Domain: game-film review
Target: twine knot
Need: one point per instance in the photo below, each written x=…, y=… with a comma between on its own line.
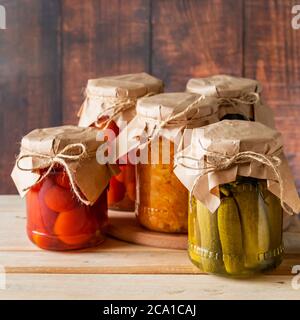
x=250, y=98
x=215, y=161
x=72, y=152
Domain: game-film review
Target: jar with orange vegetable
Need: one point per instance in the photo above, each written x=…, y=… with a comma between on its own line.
x=162, y=200
x=66, y=205
x=109, y=105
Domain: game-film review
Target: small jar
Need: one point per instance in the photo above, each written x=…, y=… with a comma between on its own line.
x=65, y=187
x=110, y=104
x=244, y=235
x=56, y=220
x=239, y=98
x=162, y=200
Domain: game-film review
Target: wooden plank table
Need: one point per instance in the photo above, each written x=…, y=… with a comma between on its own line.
x=119, y=270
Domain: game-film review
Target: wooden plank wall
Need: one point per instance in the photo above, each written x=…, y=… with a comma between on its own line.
x=51, y=48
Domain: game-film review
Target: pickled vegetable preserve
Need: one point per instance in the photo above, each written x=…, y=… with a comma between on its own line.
x=110, y=103
x=56, y=220
x=65, y=187
x=162, y=200
x=243, y=236
x=239, y=183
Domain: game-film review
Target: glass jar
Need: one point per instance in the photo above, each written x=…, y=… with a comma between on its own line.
x=162, y=200
x=121, y=193
x=56, y=220
x=243, y=236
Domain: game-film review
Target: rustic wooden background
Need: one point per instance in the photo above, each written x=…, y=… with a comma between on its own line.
x=51, y=48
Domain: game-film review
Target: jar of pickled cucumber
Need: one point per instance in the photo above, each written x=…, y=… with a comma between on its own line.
x=162, y=200
x=65, y=187
x=239, y=183
x=243, y=236
x=110, y=104
x=239, y=98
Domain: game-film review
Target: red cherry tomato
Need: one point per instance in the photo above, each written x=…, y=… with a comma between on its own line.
x=116, y=191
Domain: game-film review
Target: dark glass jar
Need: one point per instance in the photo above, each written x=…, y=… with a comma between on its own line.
x=244, y=236
x=56, y=220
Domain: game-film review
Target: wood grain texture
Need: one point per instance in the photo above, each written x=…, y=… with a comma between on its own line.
x=29, y=76
x=272, y=55
x=195, y=38
x=101, y=38
x=146, y=287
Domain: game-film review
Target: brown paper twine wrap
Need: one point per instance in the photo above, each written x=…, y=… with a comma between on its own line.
x=222, y=151
x=70, y=147
x=236, y=96
x=165, y=115
x=116, y=97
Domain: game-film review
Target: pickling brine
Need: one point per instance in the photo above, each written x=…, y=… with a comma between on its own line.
x=57, y=220
x=243, y=236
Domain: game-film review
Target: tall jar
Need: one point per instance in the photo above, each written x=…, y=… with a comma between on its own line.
x=243, y=236
x=239, y=98
x=110, y=104
x=162, y=200
x=65, y=188
x=239, y=183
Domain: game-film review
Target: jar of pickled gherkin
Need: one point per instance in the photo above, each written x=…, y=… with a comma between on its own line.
x=162, y=200
x=110, y=103
x=239, y=98
x=65, y=187
x=239, y=183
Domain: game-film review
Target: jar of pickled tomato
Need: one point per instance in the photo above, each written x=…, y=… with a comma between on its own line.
x=110, y=104
x=56, y=220
x=162, y=200
x=67, y=205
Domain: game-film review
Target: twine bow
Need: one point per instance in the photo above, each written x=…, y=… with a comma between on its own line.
x=117, y=106
x=247, y=98
x=72, y=152
x=181, y=119
x=217, y=162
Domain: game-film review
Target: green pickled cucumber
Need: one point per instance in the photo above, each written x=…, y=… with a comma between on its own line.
x=210, y=242
x=246, y=197
x=263, y=226
x=275, y=219
x=193, y=230
x=231, y=237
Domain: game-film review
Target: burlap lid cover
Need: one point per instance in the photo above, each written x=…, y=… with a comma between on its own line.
x=75, y=146
x=220, y=152
x=165, y=115
x=116, y=96
x=235, y=95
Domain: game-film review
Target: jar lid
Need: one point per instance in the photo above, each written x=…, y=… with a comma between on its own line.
x=71, y=147
x=128, y=85
x=162, y=106
x=223, y=86
x=222, y=151
x=232, y=136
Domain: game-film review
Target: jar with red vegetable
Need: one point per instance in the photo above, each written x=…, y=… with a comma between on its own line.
x=58, y=172
x=109, y=105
